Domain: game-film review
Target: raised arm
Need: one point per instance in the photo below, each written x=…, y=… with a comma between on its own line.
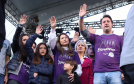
x=52, y=36
x=75, y=39
x=82, y=13
x=85, y=33
x=15, y=44
x=31, y=40
x=91, y=30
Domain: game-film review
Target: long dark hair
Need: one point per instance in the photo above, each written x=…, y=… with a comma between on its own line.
x=70, y=51
x=37, y=56
x=23, y=56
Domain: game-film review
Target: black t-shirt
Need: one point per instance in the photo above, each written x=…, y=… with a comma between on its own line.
x=63, y=79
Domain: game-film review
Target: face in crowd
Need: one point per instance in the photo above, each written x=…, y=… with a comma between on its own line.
x=42, y=50
x=64, y=40
x=24, y=40
x=68, y=67
x=81, y=47
x=106, y=24
x=91, y=51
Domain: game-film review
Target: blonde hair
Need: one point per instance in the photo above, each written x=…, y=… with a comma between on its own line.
x=86, y=47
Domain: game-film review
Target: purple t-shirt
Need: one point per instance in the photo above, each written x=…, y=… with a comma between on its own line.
x=23, y=75
x=59, y=60
x=107, y=52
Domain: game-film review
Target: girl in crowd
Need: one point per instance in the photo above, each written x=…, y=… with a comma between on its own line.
x=87, y=71
x=62, y=51
x=19, y=65
x=42, y=64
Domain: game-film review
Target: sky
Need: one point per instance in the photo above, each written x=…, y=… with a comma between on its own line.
x=116, y=14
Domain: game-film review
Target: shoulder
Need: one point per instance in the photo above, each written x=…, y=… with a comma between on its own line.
x=94, y=35
x=119, y=37
x=75, y=52
x=63, y=74
x=6, y=42
x=75, y=74
x=88, y=60
x=6, y=45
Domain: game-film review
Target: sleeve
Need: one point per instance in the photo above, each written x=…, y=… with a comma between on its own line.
x=8, y=52
x=4, y=2
x=58, y=80
x=79, y=68
x=28, y=46
x=52, y=39
x=73, y=44
x=50, y=50
x=88, y=36
x=32, y=71
x=76, y=79
x=46, y=70
x=121, y=43
x=15, y=44
x=91, y=74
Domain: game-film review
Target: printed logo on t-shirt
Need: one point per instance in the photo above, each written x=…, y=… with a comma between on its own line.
x=111, y=54
x=107, y=47
x=4, y=45
x=62, y=59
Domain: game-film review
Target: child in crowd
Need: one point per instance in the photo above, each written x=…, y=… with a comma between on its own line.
x=70, y=66
x=42, y=64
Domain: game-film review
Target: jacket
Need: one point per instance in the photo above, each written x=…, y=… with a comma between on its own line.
x=14, y=64
x=87, y=72
x=43, y=69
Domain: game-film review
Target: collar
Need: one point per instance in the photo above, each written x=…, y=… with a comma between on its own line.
x=65, y=48
x=85, y=57
x=108, y=34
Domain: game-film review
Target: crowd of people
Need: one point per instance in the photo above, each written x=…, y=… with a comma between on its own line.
x=70, y=61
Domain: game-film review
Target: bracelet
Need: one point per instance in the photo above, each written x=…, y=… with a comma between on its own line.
x=81, y=17
x=20, y=25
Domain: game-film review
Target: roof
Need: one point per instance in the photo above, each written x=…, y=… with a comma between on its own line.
x=61, y=9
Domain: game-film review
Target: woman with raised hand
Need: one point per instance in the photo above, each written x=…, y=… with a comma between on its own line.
x=42, y=64
x=19, y=65
x=87, y=71
x=62, y=51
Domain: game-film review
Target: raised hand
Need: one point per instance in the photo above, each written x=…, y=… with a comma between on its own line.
x=39, y=29
x=91, y=30
x=83, y=11
x=76, y=37
x=53, y=22
x=23, y=19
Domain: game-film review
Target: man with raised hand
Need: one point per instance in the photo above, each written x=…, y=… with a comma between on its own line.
x=107, y=50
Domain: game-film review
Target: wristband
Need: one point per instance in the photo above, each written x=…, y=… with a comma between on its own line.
x=20, y=25
x=81, y=17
